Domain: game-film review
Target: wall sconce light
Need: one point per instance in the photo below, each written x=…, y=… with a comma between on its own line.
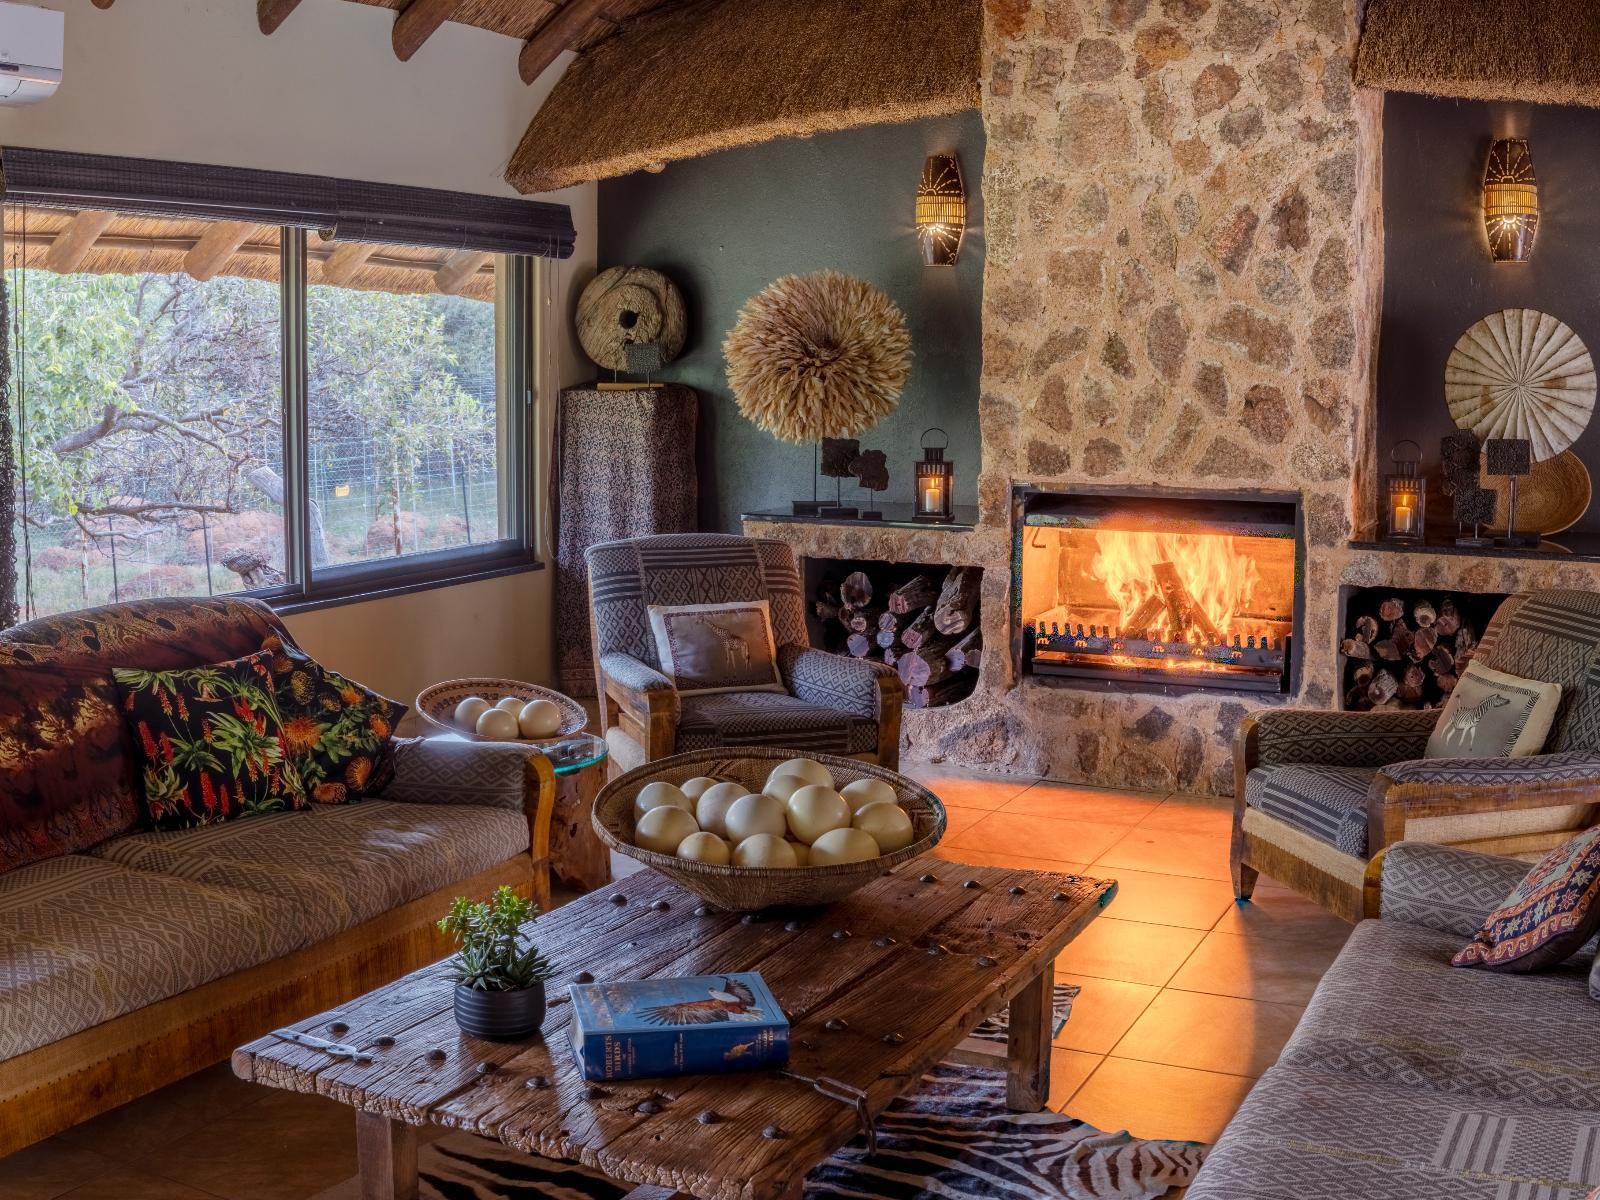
x=936, y=480
x=1510, y=201
x=1407, y=494
x=941, y=210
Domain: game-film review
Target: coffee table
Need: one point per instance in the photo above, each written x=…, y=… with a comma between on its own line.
x=878, y=988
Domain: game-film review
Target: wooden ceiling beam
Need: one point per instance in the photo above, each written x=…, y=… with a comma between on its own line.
x=346, y=259
x=418, y=22
x=72, y=244
x=216, y=246
x=459, y=268
x=272, y=13
x=561, y=32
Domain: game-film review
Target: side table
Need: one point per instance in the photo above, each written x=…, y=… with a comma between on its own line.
x=577, y=857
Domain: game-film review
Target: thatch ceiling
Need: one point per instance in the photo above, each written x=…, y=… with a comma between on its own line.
x=1540, y=51
x=705, y=75
x=117, y=244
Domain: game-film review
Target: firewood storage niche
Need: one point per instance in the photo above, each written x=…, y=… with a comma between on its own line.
x=1176, y=590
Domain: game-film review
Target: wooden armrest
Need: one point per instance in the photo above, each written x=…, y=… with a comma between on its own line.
x=648, y=717
x=1396, y=802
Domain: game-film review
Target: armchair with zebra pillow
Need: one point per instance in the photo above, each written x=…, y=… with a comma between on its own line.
x=1510, y=764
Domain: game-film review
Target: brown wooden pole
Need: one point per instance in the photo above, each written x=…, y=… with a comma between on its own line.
x=561, y=32
x=272, y=13
x=73, y=244
x=219, y=243
x=418, y=22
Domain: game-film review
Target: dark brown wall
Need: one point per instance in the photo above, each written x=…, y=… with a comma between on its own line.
x=1438, y=279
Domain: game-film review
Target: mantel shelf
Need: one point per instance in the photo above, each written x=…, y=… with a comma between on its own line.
x=1563, y=547
x=895, y=516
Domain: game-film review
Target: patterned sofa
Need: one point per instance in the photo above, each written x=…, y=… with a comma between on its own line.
x=130, y=958
x=1409, y=1078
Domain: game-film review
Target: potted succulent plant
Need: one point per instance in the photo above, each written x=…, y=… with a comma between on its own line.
x=499, y=981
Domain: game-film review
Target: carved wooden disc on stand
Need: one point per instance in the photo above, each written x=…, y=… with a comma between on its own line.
x=1521, y=373
x=630, y=304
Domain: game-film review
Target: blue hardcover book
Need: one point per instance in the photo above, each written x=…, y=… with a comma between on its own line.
x=702, y=1023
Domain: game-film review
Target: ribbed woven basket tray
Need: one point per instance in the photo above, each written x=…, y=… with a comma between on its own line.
x=437, y=705
x=744, y=889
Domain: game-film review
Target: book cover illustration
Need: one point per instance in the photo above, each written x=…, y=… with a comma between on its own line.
x=702, y=1023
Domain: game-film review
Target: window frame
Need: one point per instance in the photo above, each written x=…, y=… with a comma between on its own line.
x=517, y=282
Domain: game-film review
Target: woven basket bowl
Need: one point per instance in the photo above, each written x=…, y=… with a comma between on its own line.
x=744, y=889
x=437, y=704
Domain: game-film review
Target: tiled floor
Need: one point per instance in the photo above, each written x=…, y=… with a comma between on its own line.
x=1186, y=998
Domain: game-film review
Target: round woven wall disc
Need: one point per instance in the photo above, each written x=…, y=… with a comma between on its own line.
x=630, y=304
x=1521, y=373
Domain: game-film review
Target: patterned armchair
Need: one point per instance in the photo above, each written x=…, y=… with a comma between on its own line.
x=832, y=704
x=1318, y=795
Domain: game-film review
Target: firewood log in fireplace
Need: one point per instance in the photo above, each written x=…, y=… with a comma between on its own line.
x=958, y=600
x=1405, y=654
x=927, y=664
x=856, y=590
x=1183, y=612
x=914, y=595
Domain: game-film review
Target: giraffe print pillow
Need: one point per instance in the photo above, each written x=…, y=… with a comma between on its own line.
x=1494, y=715
x=716, y=647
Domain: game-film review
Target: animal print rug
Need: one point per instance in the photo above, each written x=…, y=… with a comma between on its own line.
x=950, y=1139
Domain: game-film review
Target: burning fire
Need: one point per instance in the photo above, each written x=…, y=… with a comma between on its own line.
x=1219, y=577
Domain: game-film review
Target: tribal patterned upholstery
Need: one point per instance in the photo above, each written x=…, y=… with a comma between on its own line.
x=625, y=578
x=818, y=677
x=1342, y=739
x=337, y=865
x=771, y=719
x=445, y=771
x=1554, y=637
x=633, y=674
x=1445, y=889
x=1407, y=1078
x=1329, y=803
x=83, y=940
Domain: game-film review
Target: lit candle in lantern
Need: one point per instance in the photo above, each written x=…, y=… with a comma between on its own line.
x=935, y=476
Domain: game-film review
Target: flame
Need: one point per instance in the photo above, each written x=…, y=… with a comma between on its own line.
x=1219, y=574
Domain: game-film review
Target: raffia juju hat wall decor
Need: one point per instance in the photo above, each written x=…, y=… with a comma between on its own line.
x=819, y=355
x=1520, y=373
x=626, y=305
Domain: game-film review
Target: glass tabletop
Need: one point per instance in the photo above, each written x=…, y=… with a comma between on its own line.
x=575, y=752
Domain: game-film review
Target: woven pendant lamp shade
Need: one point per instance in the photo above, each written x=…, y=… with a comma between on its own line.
x=941, y=210
x=1510, y=201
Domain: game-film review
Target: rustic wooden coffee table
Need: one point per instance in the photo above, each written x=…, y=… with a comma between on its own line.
x=877, y=987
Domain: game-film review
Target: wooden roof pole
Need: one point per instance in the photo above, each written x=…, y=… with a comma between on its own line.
x=216, y=246
x=346, y=259
x=72, y=244
x=560, y=32
x=272, y=13
x=418, y=22
x=102, y=3
x=457, y=269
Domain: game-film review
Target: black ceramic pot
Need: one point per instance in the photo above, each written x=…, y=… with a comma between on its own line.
x=500, y=1014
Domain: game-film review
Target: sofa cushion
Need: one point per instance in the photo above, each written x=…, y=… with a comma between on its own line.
x=771, y=719
x=1491, y=714
x=339, y=865
x=1391, y=1010
x=1554, y=910
x=1325, y=1135
x=1329, y=803
x=83, y=940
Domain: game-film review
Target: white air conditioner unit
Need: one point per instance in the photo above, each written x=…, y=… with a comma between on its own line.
x=32, y=49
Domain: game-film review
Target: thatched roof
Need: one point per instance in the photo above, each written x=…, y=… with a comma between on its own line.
x=523, y=18
x=118, y=244
x=1541, y=51
x=706, y=75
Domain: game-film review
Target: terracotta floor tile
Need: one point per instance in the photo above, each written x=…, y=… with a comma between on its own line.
x=990, y=858
x=1102, y=1012
x=1128, y=950
x=1193, y=814
x=970, y=791
x=1226, y=964
x=1165, y=899
x=1210, y=1033
x=1278, y=913
x=127, y=1134
x=125, y=1183
x=1068, y=1070
x=1170, y=852
x=1066, y=801
x=1154, y=1101
x=49, y=1169
x=959, y=820
x=1039, y=837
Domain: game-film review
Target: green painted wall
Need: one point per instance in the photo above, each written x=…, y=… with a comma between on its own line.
x=725, y=226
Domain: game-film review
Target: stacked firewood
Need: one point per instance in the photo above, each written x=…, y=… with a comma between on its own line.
x=927, y=630
x=1406, y=659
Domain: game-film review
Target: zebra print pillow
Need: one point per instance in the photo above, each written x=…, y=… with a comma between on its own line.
x=1494, y=715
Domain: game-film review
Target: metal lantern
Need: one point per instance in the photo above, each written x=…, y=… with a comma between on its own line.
x=1407, y=494
x=936, y=480
x=941, y=210
x=1510, y=201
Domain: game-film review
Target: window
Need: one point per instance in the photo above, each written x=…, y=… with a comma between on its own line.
x=205, y=408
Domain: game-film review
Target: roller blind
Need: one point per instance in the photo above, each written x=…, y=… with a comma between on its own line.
x=340, y=208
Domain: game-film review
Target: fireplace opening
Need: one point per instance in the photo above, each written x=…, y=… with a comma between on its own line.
x=1172, y=589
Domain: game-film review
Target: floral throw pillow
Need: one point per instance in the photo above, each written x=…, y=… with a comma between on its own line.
x=337, y=733
x=1548, y=916
x=210, y=741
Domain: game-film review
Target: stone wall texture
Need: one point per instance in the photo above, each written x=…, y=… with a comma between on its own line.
x=1182, y=288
